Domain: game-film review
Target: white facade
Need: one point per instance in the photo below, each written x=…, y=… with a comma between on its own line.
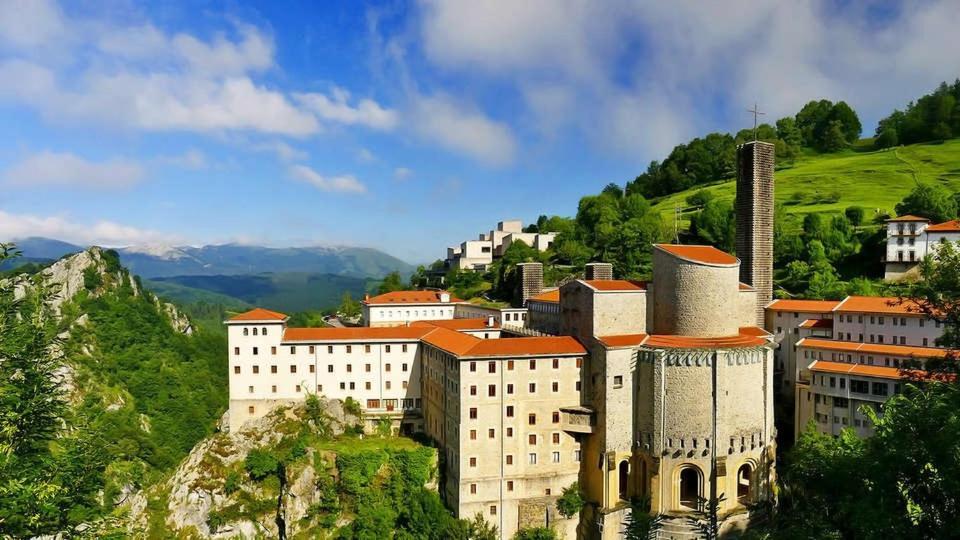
x=401, y=308
x=502, y=316
x=480, y=253
x=910, y=239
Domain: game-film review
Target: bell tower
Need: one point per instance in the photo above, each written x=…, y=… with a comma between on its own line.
x=754, y=209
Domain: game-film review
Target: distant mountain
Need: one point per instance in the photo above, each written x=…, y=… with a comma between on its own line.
x=232, y=259
x=282, y=291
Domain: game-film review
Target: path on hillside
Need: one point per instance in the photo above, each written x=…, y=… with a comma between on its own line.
x=913, y=170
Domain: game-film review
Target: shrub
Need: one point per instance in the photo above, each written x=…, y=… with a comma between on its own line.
x=855, y=215
x=700, y=198
x=352, y=407
x=571, y=501
x=232, y=483
x=535, y=533
x=260, y=464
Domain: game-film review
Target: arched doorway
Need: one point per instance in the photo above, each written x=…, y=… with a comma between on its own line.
x=744, y=483
x=624, y=478
x=690, y=487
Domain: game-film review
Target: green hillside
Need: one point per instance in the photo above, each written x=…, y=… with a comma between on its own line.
x=876, y=180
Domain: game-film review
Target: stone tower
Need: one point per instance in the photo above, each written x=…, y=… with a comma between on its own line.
x=754, y=211
x=531, y=280
x=598, y=270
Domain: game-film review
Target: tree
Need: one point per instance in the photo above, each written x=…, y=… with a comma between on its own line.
x=789, y=133
x=349, y=308
x=834, y=138
x=570, y=502
x=700, y=198
x=887, y=138
x=535, y=533
x=930, y=201
x=391, y=282
x=639, y=523
x=855, y=215
x=848, y=120
x=715, y=225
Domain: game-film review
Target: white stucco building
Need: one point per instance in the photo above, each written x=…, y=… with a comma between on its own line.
x=910, y=239
x=480, y=253
x=400, y=308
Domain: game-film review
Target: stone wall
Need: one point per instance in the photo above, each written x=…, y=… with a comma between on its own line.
x=694, y=299
x=754, y=211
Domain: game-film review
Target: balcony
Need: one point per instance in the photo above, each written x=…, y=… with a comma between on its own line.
x=577, y=419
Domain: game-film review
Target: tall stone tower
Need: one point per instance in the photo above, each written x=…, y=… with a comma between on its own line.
x=754, y=210
x=531, y=280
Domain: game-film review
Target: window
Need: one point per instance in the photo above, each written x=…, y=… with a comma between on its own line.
x=343, y=386
x=246, y=331
x=293, y=369
x=491, y=433
x=349, y=349
x=509, y=485
x=556, y=363
x=236, y=370
x=509, y=365
x=473, y=462
x=492, y=390
x=532, y=388
x=353, y=386
x=618, y=381
x=556, y=438
x=256, y=369
x=386, y=367
x=532, y=458
x=250, y=409
x=473, y=367
x=311, y=349
x=509, y=411
x=509, y=432
x=329, y=349
x=403, y=384
x=250, y=389
x=386, y=348
x=473, y=390
x=349, y=368
x=555, y=386
x=556, y=417
x=255, y=351
x=273, y=389
x=473, y=434
x=493, y=510
x=404, y=347
x=533, y=365
x=491, y=367
x=532, y=439
x=403, y=367
x=273, y=351
x=293, y=350
x=473, y=489
x=236, y=350
x=509, y=388
x=330, y=368
x=273, y=369
x=532, y=419
x=297, y=389
x=366, y=367
x=473, y=413
x=880, y=389
x=366, y=385
x=555, y=457
x=859, y=387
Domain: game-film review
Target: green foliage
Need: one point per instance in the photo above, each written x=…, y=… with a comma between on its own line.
x=937, y=294
x=260, y=464
x=307, y=319
x=715, y=225
x=700, y=198
x=391, y=282
x=639, y=523
x=349, y=308
x=930, y=201
x=384, y=427
x=535, y=533
x=828, y=127
x=92, y=280
x=352, y=407
x=933, y=117
x=231, y=483
x=570, y=502
x=855, y=215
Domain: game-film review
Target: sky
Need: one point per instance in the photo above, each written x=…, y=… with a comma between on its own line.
x=405, y=126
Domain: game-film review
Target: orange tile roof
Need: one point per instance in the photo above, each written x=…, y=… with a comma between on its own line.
x=878, y=304
x=459, y=324
x=745, y=287
x=908, y=217
x=528, y=346
x=259, y=314
x=548, y=296
x=873, y=348
x=947, y=226
x=451, y=341
x=616, y=284
x=811, y=306
x=700, y=254
x=817, y=323
x=622, y=340
x=362, y=333
x=882, y=372
x=409, y=297
x=753, y=331
x=748, y=336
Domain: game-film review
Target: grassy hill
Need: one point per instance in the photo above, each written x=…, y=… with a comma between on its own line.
x=874, y=179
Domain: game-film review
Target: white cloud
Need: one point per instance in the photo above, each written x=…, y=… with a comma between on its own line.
x=336, y=108
x=402, y=173
x=192, y=159
x=282, y=150
x=71, y=171
x=342, y=183
x=465, y=130
x=366, y=156
x=105, y=233
x=30, y=23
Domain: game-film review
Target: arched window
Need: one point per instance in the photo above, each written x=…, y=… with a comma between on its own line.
x=254, y=331
x=744, y=483
x=263, y=331
x=624, y=478
x=246, y=331
x=691, y=488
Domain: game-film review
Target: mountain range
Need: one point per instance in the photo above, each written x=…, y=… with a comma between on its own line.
x=155, y=261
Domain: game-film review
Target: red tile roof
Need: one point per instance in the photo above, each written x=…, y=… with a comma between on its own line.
x=699, y=254
x=908, y=218
x=409, y=297
x=616, y=285
x=878, y=304
x=451, y=341
x=745, y=287
x=622, y=340
x=467, y=346
x=459, y=324
x=259, y=314
x=817, y=323
x=809, y=306
x=947, y=226
x=905, y=351
x=749, y=336
x=882, y=372
x=362, y=333
x=548, y=296
x=753, y=331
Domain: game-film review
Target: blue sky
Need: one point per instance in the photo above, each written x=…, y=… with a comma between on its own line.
x=406, y=126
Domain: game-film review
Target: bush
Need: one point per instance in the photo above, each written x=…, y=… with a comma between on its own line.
x=260, y=464
x=571, y=502
x=855, y=215
x=352, y=407
x=700, y=198
x=535, y=533
x=232, y=483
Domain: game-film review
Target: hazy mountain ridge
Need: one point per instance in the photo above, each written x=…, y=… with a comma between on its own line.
x=151, y=261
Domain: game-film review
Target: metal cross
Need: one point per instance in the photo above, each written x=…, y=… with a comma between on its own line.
x=756, y=112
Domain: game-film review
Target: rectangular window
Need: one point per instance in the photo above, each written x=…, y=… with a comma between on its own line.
x=255, y=351
x=403, y=367
x=386, y=367
x=509, y=388
x=618, y=381
x=293, y=350
x=556, y=363
x=509, y=411
x=273, y=351
x=491, y=367
x=509, y=485
x=493, y=510
x=293, y=369
x=555, y=386
x=473, y=434
x=250, y=389
x=556, y=438
x=509, y=365
x=403, y=347
x=556, y=417
x=880, y=388
x=532, y=388
x=236, y=350
x=250, y=409
x=349, y=368
x=353, y=386
x=236, y=370
x=273, y=369
x=330, y=368
x=556, y=457
x=509, y=432
x=297, y=389
x=273, y=389
x=533, y=365
x=491, y=433
x=349, y=349
x=532, y=439
x=492, y=390
x=473, y=462
x=256, y=369
x=473, y=390
x=532, y=458
x=473, y=489
x=532, y=419
x=473, y=367
x=473, y=413
x=312, y=349
x=329, y=349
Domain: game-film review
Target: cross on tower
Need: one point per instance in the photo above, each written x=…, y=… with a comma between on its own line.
x=756, y=112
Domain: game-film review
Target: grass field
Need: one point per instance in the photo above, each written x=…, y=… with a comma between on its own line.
x=875, y=180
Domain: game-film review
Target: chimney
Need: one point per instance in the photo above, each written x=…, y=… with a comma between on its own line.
x=444, y=297
x=366, y=297
x=598, y=270
x=754, y=209
x=531, y=280
x=490, y=321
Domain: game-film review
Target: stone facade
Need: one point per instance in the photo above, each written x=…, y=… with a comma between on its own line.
x=598, y=270
x=531, y=280
x=754, y=210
